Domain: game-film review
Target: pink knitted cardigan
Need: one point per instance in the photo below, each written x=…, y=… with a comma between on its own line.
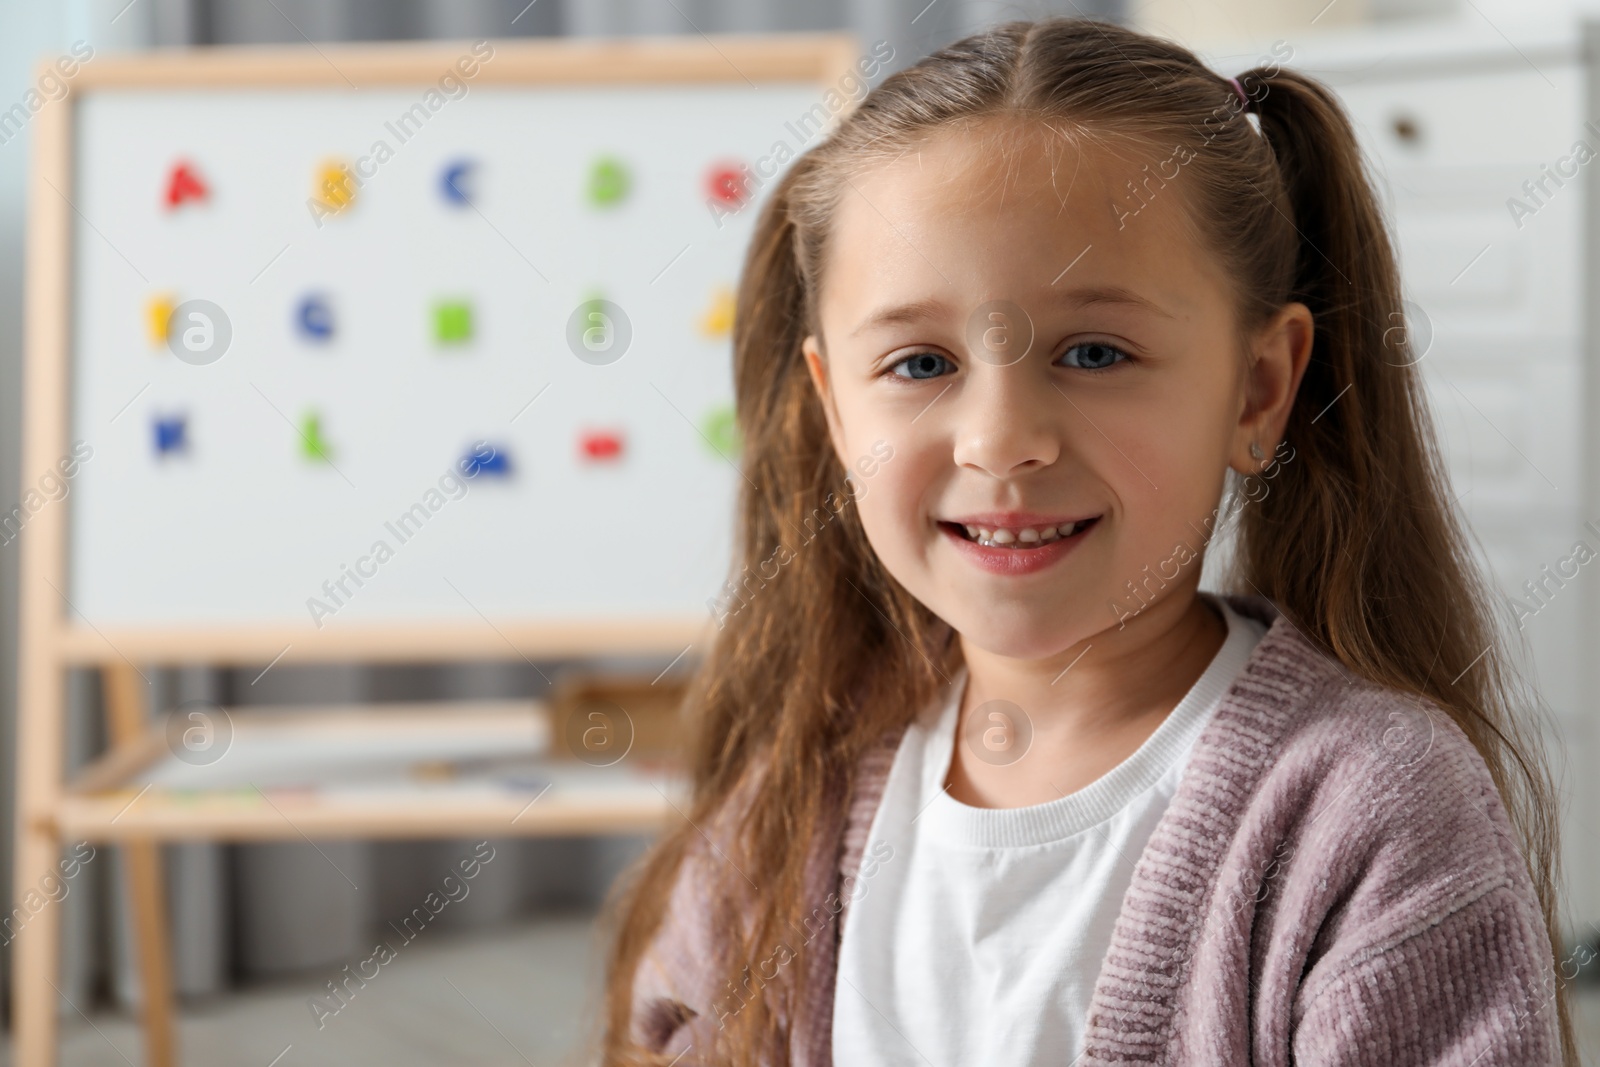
x=1334, y=882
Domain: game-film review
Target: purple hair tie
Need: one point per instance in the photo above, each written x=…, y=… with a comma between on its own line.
x=1244, y=99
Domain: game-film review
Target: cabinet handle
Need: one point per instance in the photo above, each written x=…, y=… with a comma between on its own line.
x=1406, y=129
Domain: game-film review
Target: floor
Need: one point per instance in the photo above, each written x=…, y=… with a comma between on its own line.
x=1586, y=1018
x=505, y=998
x=510, y=997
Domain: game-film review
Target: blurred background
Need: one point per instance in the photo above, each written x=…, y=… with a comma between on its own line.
x=1466, y=108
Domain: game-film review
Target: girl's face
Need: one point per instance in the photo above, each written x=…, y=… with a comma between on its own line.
x=1057, y=366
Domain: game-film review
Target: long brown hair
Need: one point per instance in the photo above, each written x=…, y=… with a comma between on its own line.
x=820, y=651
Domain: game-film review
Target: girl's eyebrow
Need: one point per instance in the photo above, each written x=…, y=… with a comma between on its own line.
x=901, y=314
x=919, y=310
x=1115, y=295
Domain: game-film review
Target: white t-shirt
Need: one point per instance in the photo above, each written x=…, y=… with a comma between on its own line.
x=978, y=938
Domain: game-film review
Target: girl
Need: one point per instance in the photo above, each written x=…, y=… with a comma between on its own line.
x=980, y=776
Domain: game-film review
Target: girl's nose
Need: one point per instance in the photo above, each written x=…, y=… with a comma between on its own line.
x=1004, y=427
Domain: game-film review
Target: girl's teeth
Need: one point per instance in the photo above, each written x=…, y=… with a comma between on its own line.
x=1028, y=535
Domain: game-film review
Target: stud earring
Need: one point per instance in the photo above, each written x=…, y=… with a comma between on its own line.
x=1255, y=451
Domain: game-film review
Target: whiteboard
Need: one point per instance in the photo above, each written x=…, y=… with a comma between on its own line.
x=238, y=525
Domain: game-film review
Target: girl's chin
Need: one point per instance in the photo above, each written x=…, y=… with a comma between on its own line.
x=1014, y=639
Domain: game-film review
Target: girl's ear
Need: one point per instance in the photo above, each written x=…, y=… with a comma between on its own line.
x=818, y=366
x=1280, y=352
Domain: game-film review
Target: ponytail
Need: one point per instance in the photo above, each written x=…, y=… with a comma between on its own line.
x=1365, y=551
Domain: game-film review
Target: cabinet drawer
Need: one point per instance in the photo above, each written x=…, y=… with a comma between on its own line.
x=1507, y=411
x=1509, y=115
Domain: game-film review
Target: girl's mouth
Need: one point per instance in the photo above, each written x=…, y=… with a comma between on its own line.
x=1020, y=538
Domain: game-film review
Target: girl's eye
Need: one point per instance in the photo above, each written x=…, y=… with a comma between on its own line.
x=1093, y=355
x=922, y=365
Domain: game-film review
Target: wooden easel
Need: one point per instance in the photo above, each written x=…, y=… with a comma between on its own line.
x=98, y=808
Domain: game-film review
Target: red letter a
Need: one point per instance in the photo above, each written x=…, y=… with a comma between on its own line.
x=184, y=185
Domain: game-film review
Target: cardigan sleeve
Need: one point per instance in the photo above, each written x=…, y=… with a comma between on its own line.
x=670, y=987
x=1435, y=952
x=1474, y=990
x=677, y=1005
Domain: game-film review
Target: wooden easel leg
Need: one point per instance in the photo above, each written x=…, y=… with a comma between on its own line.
x=126, y=719
x=35, y=954
x=148, y=907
